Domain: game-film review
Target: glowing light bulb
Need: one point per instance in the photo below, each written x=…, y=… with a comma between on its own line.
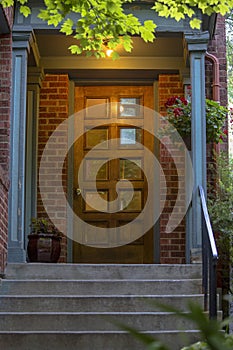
x=109, y=52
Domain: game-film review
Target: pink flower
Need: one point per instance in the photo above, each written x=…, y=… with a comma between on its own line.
x=174, y=100
x=225, y=132
x=177, y=111
x=171, y=101
x=184, y=101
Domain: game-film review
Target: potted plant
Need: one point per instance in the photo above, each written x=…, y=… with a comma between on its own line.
x=44, y=241
x=179, y=116
x=220, y=206
x=220, y=198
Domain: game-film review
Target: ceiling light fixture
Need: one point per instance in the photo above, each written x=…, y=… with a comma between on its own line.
x=109, y=51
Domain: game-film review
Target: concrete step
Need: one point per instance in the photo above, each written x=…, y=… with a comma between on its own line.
x=101, y=271
x=92, y=321
x=117, y=340
x=98, y=303
x=101, y=287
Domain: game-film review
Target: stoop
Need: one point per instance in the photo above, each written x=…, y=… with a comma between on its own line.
x=76, y=306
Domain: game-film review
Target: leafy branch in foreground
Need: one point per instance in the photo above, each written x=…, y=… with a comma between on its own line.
x=212, y=336
x=93, y=21
x=147, y=339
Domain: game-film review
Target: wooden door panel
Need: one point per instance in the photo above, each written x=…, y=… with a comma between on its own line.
x=120, y=115
x=128, y=254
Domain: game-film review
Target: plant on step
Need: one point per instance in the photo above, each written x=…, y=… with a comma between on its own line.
x=44, y=241
x=43, y=225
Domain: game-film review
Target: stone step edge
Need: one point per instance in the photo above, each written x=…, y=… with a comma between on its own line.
x=97, y=265
x=98, y=296
x=91, y=313
x=101, y=280
x=99, y=313
x=176, y=331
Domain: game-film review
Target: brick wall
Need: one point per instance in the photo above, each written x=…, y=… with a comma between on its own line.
x=4, y=186
x=217, y=47
x=53, y=110
x=5, y=98
x=9, y=13
x=172, y=245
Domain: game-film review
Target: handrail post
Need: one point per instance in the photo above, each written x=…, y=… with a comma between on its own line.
x=213, y=288
x=204, y=267
x=209, y=261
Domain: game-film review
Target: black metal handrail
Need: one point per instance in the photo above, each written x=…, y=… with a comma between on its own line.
x=209, y=260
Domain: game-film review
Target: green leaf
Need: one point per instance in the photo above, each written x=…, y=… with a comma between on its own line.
x=127, y=43
x=88, y=53
x=147, y=339
x=43, y=15
x=25, y=10
x=22, y=2
x=150, y=25
x=7, y=3
x=163, y=10
x=195, y=23
x=112, y=6
x=67, y=27
x=146, y=35
x=223, y=9
x=189, y=12
x=115, y=55
x=75, y=49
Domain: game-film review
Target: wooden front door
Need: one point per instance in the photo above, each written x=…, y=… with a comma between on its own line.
x=111, y=114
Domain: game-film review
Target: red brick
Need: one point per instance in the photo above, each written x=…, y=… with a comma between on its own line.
x=4, y=186
x=51, y=77
x=53, y=110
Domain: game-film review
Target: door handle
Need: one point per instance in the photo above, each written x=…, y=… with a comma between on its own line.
x=77, y=191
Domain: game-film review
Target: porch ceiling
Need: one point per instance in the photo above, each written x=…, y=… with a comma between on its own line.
x=145, y=62
x=58, y=44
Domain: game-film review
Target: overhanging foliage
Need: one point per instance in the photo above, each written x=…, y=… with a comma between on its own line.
x=104, y=21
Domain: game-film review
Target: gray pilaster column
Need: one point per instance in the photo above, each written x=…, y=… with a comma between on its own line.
x=197, y=46
x=16, y=243
x=34, y=81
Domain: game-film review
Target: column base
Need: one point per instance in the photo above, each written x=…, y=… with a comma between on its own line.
x=196, y=256
x=16, y=255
